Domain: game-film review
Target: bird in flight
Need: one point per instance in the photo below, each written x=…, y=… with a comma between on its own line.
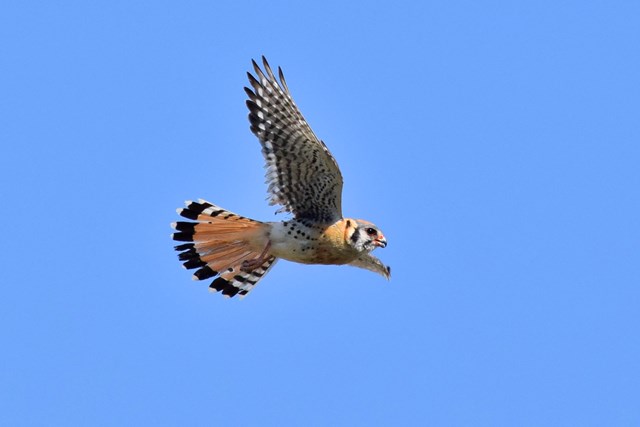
x=304, y=178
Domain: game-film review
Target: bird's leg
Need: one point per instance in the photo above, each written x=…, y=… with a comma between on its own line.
x=251, y=264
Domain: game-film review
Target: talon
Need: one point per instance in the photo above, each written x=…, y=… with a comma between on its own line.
x=248, y=266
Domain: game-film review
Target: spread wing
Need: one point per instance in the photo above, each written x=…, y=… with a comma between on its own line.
x=371, y=263
x=302, y=174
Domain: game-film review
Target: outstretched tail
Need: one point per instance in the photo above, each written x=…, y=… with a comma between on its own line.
x=221, y=243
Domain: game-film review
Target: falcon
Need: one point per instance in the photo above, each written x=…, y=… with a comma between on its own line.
x=304, y=179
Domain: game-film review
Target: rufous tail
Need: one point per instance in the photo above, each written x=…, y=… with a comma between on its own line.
x=223, y=244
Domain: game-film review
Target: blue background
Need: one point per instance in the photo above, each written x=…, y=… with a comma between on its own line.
x=497, y=145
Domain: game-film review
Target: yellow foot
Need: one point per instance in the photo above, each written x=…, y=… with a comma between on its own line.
x=249, y=265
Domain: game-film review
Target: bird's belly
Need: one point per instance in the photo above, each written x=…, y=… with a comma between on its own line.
x=306, y=247
x=310, y=252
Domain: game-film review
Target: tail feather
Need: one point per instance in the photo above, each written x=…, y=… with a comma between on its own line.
x=241, y=282
x=218, y=244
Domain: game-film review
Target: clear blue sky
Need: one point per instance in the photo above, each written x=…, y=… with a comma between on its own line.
x=497, y=145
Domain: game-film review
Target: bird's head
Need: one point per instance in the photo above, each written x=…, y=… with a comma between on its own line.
x=364, y=236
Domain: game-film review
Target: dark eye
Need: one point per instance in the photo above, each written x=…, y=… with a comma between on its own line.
x=371, y=231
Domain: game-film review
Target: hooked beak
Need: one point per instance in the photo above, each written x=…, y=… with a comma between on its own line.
x=380, y=241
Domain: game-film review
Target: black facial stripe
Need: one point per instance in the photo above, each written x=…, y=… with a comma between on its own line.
x=355, y=236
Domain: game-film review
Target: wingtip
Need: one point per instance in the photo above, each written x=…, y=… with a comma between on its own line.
x=265, y=63
x=256, y=67
x=282, y=80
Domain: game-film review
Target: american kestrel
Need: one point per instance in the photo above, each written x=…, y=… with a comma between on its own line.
x=303, y=178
